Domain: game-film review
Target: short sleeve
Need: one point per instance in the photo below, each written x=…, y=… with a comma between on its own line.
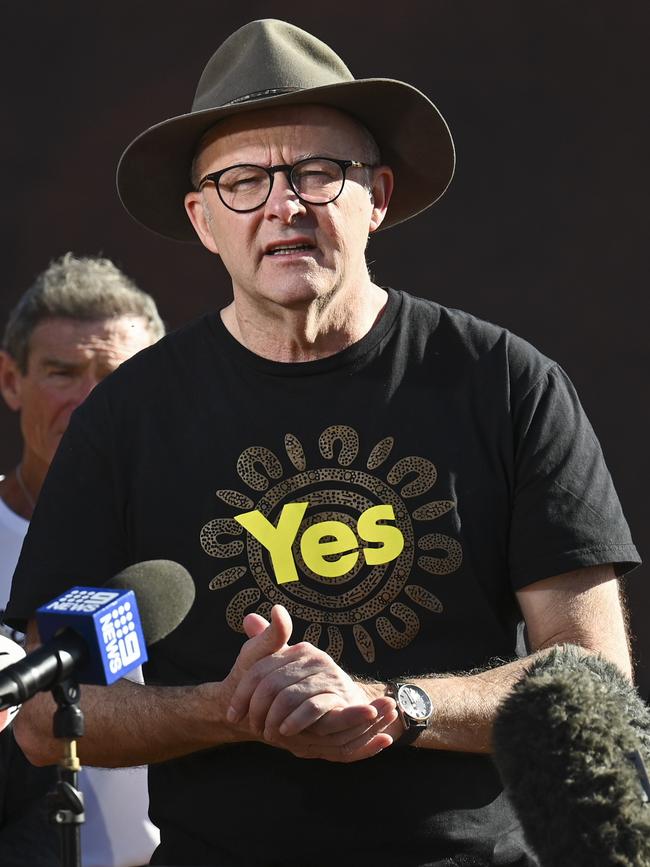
x=566, y=513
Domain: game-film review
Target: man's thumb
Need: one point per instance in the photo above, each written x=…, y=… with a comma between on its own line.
x=268, y=637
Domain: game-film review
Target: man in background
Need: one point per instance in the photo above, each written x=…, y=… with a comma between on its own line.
x=79, y=321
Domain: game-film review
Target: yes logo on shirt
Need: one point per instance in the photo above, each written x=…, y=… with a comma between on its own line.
x=328, y=548
x=343, y=540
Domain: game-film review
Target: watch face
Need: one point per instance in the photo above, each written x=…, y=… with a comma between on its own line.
x=414, y=701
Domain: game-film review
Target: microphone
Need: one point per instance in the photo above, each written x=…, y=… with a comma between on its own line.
x=10, y=652
x=572, y=746
x=99, y=633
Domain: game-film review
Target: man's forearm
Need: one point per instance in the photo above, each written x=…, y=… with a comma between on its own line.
x=131, y=724
x=464, y=706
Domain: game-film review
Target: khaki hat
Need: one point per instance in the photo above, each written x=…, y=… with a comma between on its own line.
x=271, y=63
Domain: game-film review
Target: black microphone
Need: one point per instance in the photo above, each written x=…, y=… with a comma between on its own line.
x=98, y=631
x=572, y=746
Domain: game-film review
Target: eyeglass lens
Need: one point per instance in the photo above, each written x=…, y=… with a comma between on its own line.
x=247, y=187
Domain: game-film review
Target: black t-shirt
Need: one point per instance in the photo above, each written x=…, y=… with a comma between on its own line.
x=411, y=484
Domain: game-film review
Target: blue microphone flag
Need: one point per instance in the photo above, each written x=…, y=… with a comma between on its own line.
x=109, y=622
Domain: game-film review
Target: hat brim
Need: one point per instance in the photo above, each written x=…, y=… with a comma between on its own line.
x=153, y=175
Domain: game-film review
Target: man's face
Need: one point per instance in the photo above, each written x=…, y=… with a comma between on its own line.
x=331, y=238
x=66, y=360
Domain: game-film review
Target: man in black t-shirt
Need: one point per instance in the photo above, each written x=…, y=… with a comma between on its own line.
x=386, y=483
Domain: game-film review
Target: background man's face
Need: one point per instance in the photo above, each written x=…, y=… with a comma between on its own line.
x=332, y=237
x=66, y=360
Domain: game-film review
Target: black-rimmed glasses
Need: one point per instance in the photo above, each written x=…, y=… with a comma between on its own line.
x=315, y=180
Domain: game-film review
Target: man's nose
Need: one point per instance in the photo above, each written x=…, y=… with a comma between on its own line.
x=283, y=202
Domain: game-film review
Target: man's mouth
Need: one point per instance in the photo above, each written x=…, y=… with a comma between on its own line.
x=288, y=249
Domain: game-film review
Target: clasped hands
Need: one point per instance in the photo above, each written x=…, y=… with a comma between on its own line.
x=297, y=698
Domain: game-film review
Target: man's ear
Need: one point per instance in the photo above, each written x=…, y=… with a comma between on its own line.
x=10, y=381
x=200, y=218
x=380, y=193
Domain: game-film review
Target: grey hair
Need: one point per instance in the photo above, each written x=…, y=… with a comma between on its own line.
x=85, y=289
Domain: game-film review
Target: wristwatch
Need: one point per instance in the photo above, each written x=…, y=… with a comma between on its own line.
x=414, y=708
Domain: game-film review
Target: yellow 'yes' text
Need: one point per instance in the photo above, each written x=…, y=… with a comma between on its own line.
x=324, y=539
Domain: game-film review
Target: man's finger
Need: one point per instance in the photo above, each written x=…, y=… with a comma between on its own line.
x=346, y=718
x=254, y=624
x=309, y=711
x=273, y=680
x=311, y=715
x=362, y=748
x=275, y=672
x=281, y=692
x=271, y=638
x=362, y=733
x=264, y=641
x=365, y=747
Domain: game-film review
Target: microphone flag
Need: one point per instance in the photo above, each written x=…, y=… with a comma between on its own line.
x=98, y=634
x=109, y=622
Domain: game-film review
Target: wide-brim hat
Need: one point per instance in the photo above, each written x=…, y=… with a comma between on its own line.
x=271, y=63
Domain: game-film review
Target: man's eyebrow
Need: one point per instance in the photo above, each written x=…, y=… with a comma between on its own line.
x=59, y=362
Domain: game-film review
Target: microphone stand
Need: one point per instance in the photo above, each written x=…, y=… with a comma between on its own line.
x=66, y=802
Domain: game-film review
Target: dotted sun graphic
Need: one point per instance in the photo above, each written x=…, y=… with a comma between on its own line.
x=349, y=594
